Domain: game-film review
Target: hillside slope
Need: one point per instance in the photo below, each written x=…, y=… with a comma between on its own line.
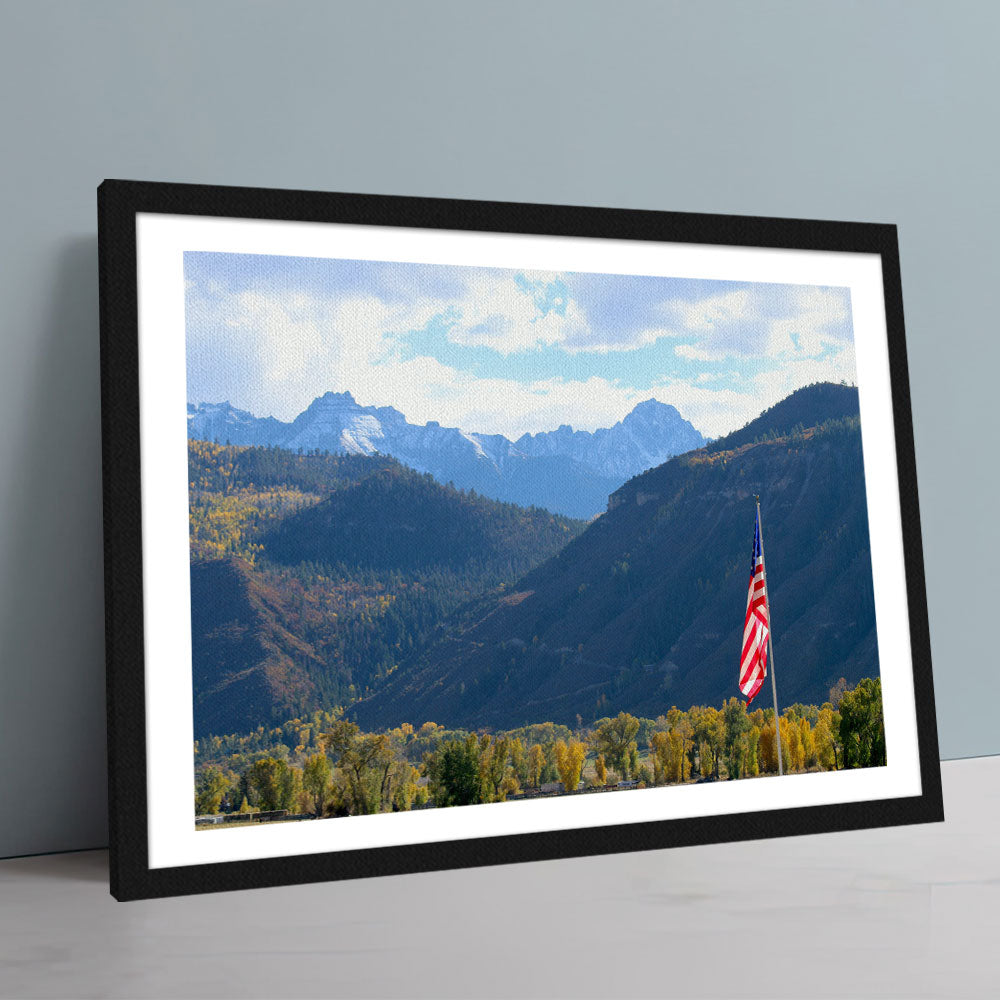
x=313, y=576
x=645, y=609
x=399, y=519
x=247, y=666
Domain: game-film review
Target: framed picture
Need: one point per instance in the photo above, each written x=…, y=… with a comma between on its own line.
x=451, y=533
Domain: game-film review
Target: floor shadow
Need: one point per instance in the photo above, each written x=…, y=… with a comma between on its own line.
x=75, y=866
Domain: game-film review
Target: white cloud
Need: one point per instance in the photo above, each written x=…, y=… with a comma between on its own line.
x=772, y=321
x=714, y=412
x=717, y=411
x=772, y=386
x=591, y=342
x=693, y=353
x=273, y=352
x=502, y=314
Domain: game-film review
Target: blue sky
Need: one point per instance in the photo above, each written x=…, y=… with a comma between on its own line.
x=503, y=351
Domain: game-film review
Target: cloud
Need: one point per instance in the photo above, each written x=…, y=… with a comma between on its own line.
x=774, y=321
x=510, y=313
x=274, y=352
x=692, y=353
x=717, y=411
x=271, y=346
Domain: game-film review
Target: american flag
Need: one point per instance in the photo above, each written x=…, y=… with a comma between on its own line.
x=753, y=662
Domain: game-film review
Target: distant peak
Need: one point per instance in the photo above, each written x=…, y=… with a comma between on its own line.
x=651, y=407
x=204, y=407
x=333, y=400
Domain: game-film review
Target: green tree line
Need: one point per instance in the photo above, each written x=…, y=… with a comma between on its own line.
x=325, y=765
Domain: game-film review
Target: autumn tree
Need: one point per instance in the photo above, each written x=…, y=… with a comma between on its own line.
x=790, y=746
x=493, y=757
x=767, y=753
x=862, y=727
x=519, y=760
x=753, y=752
x=808, y=741
x=682, y=733
x=600, y=770
x=826, y=737
x=316, y=774
x=212, y=786
x=366, y=763
x=706, y=759
x=659, y=750
x=510, y=785
x=793, y=755
x=615, y=740
x=569, y=762
x=405, y=786
x=710, y=731
x=669, y=751
x=269, y=784
x=536, y=765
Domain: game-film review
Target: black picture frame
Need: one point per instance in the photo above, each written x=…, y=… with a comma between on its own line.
x=119, y=202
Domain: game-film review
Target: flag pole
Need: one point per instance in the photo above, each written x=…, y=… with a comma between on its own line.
x=770, y=643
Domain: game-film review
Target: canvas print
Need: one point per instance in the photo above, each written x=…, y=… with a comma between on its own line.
x=465, y=535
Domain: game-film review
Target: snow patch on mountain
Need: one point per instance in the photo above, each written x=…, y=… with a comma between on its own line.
x=565, y=470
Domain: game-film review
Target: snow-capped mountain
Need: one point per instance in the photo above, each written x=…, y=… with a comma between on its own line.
x=224, y=423
x=567, y=471
x=336, y=422
x=652, y=433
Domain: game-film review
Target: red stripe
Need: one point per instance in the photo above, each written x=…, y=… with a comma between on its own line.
x=753, y=640
x=753, y=661
x=756, y=655
x=751, y=675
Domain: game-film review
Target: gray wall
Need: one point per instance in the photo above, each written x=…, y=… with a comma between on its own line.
x=870, y=111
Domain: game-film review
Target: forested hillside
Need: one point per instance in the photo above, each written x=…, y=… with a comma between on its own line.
x=399, y=519
x=645, y=609
x=314, y=575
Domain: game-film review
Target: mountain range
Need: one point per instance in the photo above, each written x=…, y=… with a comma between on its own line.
x=567, y=471
x=322, y=580
x=645, y=608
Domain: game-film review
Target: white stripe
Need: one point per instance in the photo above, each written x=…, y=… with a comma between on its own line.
x=752, y=652
x=759, y=640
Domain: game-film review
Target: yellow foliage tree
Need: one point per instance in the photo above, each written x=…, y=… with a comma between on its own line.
x=536, y=764
x=793, y=753
x=826, y=751
x=706, y=759
x=510, y=786
x=767, y=754
x=659, y=749
x=808, y=741
x=601, y=770
x=569, y=763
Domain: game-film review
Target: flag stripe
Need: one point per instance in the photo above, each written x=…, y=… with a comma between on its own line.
x=756, y=626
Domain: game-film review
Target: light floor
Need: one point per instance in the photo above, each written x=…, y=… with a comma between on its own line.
x=908, y=912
